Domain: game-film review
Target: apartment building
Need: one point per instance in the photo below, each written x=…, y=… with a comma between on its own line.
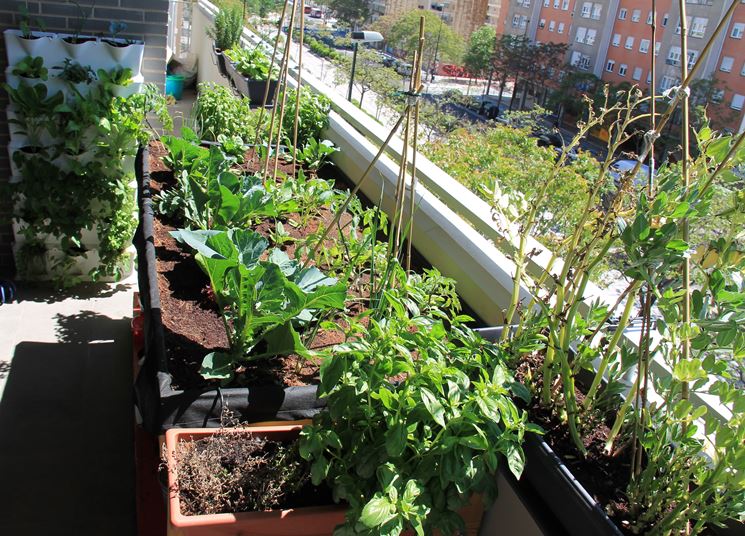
x=613, y=40
x=464, y=16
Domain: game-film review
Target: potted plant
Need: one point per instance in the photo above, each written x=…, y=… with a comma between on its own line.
x=249, y=70
x=244, y=480
x=622, y=414
x=26, y=42
x=419, y=416
x=226, y=33
x=126, y=53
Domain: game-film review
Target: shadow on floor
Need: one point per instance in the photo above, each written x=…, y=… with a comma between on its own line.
x=44, y=293
x=66, y=453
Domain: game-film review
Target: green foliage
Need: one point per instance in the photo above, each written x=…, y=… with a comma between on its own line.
x=401, y=31
x=319, y=48
x=408, y=454
x=75, y=73
x=227, y=29
x=260, y=300
x=217, y=112
x=507, y=160
x=480, y=52
x=250, y=63
x=313, y=116
x=315, y=154
x=31, y=67
x=349, y=11
x=76, y=182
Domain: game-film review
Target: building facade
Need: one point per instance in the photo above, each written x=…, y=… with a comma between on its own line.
x=464, y=16
x=612, y=39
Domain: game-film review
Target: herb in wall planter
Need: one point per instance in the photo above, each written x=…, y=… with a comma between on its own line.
x=31, y=68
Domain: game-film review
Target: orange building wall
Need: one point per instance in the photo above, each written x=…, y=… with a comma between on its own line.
x=722, y=115
x=633, y=58
x=558, y=16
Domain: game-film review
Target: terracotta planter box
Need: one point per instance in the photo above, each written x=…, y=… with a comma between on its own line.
x=306, y=521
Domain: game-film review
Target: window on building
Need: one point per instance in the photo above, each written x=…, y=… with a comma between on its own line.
x=556, y=4
x=560, y=29
x=546, y=3
x=665, y=18
x=523, y=22
x=644, y=46
x=551, y=26
x=586, y=10
x=581, y=33
x=584, y=63
x=516, y=21
x=637, y=74
x=692, y=57
x=629, y=43
x=698, y=26
x=576, y=56
x=649, y=17
x=616, y=40
x=727, y=62
x=636, y=15
x=737, y=101
x=667, y=82
x=657, y=48
x=622, y=14
x=673, y=56
x=738, y=29
x=542, y=23
x=610, y=66
x=590, y=39
x=649, y=77
x=622, y=69
x=742, y=71
x=717, y=96
x=688, y=25
x=564, y=5
x=597, y=11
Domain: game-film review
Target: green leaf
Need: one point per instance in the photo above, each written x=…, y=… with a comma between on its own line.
x=332, y=369
x=515, y=459
x=433, y=406
x=677, y=245
x=377, y=511
x=395, y=440
x=689, y=370
x=217, y=366
x=318, y=470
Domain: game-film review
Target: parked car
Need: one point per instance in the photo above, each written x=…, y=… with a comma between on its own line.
x=620, y=167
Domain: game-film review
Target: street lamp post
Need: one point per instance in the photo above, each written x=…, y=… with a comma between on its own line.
x=357, y=38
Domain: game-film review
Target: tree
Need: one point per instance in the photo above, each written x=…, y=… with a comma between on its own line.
x=369, y=74
x=402, y=33
x=350, y=11
x=480, y=52
x=508, y=53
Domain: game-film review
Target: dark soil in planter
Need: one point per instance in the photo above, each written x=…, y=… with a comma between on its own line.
x=605, y=477
x=78, y=40
x=234, y=472
x=192, y=323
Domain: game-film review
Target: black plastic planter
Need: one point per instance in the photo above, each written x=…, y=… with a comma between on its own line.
x=251, y=89
x=160, y=406
x=556, y=500
x=221, y=62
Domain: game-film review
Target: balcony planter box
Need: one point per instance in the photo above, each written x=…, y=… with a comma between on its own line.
x=554, y=496
x=161, y=407
x=221, y=61
x=42, y=44
x=304, y=521
x=128, y=54
x=251, y=89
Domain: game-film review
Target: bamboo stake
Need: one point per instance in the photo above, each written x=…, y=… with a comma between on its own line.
x=412, y=196
x=268, y=80
x=282, y=85
x=299, y=84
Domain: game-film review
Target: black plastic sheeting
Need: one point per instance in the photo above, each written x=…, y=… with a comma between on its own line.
x=160, y=406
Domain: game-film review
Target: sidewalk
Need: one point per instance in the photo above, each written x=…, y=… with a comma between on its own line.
x=66, y=451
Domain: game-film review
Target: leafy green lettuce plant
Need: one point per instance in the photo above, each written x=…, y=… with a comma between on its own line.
x=252, y=63
x=261, y=301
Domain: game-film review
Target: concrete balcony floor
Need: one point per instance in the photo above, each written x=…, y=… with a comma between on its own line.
x=66, y=420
